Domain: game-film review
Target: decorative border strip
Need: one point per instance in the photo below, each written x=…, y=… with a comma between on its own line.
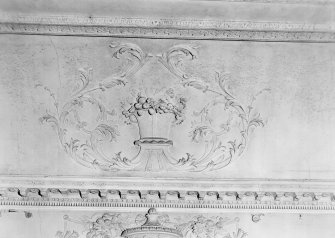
x=233, y=194
x=54, y=197
x=166, y=28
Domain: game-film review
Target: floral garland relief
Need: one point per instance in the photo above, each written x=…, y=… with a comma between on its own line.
x=154, y=115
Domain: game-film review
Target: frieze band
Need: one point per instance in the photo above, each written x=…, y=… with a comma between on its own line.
x=166, y=28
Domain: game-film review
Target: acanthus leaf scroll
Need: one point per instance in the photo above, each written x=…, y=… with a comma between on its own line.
x=83, y=136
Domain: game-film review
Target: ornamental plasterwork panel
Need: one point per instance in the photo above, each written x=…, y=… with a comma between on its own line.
x=155, y=104
x=97, y=95
x=90, y=97
x=168, y=126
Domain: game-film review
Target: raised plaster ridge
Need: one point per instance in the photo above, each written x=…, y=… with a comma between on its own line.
x=167, y=183
x=211, y=29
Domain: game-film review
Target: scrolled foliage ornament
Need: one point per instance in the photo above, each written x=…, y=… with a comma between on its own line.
x=221, y=127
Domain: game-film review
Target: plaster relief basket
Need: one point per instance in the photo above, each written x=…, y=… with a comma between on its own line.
x=151, y=228
x=155, y=128
x=154, y=141
x=154, y=120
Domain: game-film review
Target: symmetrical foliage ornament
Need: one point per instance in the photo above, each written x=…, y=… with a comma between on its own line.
x=221, y=126
x=153, y=225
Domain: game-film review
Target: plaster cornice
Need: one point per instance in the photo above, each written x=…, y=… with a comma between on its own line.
x=122, y=193
x=201, y=29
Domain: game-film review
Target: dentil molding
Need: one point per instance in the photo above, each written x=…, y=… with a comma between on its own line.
x=159, y=28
